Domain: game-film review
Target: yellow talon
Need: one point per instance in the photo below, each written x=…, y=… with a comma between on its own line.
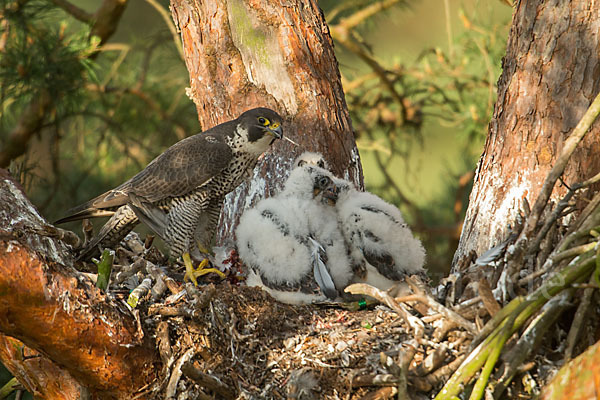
x=204, y=271
x=189, y=269
x=191, y=273
x=201, y=270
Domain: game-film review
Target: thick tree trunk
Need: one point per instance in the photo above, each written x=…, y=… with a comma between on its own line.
x=279, y=54
x=551, y=73
x=82, y=340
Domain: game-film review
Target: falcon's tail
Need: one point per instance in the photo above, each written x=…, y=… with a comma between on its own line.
x=113, y=231
x=101, y=206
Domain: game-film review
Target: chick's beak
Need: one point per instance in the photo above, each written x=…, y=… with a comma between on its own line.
x=331, y=194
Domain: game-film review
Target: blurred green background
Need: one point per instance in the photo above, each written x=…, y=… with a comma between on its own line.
x=419, y=77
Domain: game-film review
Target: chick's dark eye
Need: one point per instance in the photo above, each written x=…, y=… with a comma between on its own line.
x=263, y=121
x=324, y=181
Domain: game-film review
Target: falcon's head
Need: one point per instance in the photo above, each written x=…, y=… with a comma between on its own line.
x=310, y=182
x=259, y=127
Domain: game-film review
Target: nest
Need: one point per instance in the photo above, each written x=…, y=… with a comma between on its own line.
x=223, y=339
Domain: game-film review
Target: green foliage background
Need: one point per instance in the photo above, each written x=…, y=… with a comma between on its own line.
x=116, y=110
x=113, y=113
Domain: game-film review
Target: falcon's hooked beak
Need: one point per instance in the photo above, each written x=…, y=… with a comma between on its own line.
x=275, y=130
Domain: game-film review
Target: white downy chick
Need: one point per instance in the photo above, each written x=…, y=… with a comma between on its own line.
x=378, y=236
x=291, y=249
x=381, y=246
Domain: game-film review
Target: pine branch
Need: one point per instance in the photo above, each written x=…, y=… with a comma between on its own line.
x=74, y=11
x=31, y=121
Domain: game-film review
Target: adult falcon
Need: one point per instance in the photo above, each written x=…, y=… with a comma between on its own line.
x=179, y=195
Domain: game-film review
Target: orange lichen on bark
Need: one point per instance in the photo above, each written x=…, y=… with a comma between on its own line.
x=58, y=312
x=577, y=380
x=41, y=377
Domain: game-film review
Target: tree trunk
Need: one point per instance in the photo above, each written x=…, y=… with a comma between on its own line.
x=80, y=339
x=279, y=54
x=551, y=73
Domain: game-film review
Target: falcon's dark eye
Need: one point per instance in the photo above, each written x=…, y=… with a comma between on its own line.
x=263, y=121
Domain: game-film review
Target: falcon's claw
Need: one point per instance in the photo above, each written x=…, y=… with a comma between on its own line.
x=192, y=274
x=189, y=269
x=203, y=271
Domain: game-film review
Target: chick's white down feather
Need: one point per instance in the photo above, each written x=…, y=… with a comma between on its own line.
x=261, y=243
x=372, y=226
x=280, y=239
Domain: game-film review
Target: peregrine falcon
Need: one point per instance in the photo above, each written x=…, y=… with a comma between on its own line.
x=180, y=193
x=381, y=246
x=291, y=242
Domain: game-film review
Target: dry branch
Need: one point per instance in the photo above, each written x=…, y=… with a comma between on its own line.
x=57, y=311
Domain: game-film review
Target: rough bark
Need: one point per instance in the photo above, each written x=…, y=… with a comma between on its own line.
x=551, y=73
x=93, y=341
x=279, y=54
x=577, y=380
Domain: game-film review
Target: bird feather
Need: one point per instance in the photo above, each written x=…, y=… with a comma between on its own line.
x=320, y=271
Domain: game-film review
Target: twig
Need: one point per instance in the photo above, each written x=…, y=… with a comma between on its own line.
x=432, y=361
x=104, y=269
x=496, y=320
x=487, y=297
x=164, y=344
x=9, y=387
x=426, y=299
x=384, y=393
x=531, y=339
x=133, y=269
x=139, y=292
x=449, y=28
x=362, y=288
x=158, y=274
x=591, y=181
x=578, y=320
x=208, y=381
x=169, y=22
x=375, y=380
x=534, y=245
x=176, y=373
x=426, y=383
x=446, y=312
x=496, y=348
x=588, y=219
x=358, y=17
x=74, y=11
x=573, y=252
x=398, y=371
x=488, y=350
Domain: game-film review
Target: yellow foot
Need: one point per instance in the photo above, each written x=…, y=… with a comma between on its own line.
x=191, y=274
x=201, y=270
x=189, y=269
